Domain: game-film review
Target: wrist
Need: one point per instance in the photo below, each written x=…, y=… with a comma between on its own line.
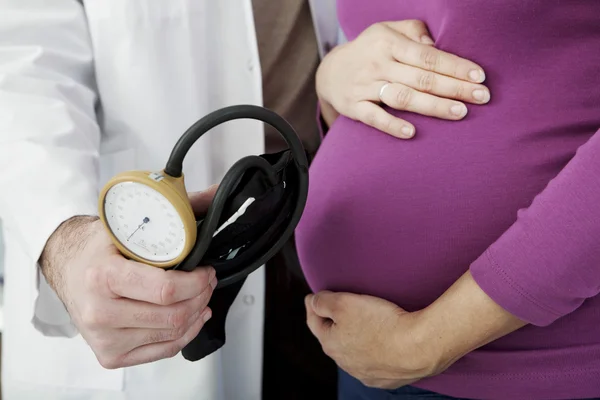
x=422, y=342
x=61, y=246
x=428, y=340
x=461, y=320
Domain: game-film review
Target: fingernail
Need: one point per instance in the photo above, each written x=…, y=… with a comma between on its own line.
x=458, y=110
x=408, y=131
x=312, y=301
x=213, y=283
x=477, y=75
x=480, y=95
x=426, y=40
x=207, y=315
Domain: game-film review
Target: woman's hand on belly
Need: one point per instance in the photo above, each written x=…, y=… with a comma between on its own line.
x=370, y=338
x=396, y=64
x=386, y=347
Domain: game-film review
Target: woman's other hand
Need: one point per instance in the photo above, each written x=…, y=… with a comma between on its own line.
x=396, y=64
x=371, y=339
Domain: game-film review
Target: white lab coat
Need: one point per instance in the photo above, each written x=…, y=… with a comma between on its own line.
x=90, y=88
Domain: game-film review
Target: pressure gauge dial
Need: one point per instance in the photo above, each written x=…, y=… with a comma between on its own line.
x=148, y=217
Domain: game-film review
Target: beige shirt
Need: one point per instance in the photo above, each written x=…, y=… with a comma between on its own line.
x=289, y=58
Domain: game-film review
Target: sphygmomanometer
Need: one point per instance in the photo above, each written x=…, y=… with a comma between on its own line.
x=253, y=214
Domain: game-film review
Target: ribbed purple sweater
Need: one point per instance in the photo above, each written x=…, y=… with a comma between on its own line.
x=511, y=192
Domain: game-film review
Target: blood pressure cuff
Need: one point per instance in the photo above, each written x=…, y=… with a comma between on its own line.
x=242, y=246
x=261, y=225
x=212, y=336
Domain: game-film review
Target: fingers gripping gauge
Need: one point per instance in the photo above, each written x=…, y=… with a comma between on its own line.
x=253, y=214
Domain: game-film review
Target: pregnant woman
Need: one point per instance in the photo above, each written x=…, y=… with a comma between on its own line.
x=464, y=261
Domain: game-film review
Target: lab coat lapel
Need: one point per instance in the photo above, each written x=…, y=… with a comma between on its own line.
x=324, y=15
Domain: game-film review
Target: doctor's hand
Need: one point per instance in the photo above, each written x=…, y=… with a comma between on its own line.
x=129, y=313
x=396, y=64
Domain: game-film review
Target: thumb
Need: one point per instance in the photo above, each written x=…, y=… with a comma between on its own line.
x=200, y=201
x=414, y=29
x=326, y=304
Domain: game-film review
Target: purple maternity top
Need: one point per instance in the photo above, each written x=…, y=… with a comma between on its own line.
x=512, y=192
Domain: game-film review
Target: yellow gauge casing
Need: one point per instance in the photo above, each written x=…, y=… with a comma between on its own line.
x=173, y=191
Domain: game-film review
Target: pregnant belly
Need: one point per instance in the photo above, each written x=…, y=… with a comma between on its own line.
x=402, y=220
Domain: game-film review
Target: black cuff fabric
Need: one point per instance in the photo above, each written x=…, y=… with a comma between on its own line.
x=212, y=336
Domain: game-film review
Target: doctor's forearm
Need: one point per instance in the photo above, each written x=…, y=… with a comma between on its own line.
x=463, y=319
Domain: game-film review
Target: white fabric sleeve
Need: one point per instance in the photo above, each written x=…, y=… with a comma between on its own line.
x=49, y=136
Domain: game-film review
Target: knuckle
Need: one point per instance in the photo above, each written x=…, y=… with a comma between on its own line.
x=456, y=68
x=178, y=333
x=426, y=82
x=440, y=107
x=398, y=49
x=112, y=272
x=341, y=303
x=93, y=278
x=337, y=305
x=459, y=91
x=384, y=125
x=102, y=345
x=178, y=318
x=328, y=350
x=199, y=302
x=382, y=40
x=369, y=382
x=117, y=260
x=167, y=292
x=89, y=320
x=317, y=301
x=376, y=29
x=171, y=351
x=430, y=58
x=204, y=298
x=93, y=317
x=403, y=97
x=108, y=362
x=132, y=278
x=414, y=24
x=201, y=279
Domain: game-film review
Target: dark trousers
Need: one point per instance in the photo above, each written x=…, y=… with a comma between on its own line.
x=350, y=388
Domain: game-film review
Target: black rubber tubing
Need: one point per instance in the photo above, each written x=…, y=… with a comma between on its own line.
x=174, y=168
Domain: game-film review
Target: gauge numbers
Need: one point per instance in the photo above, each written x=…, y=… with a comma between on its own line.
x=144, y=221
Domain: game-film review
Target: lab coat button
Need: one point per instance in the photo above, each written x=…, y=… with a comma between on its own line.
x=248, y=300
x=250, y=65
